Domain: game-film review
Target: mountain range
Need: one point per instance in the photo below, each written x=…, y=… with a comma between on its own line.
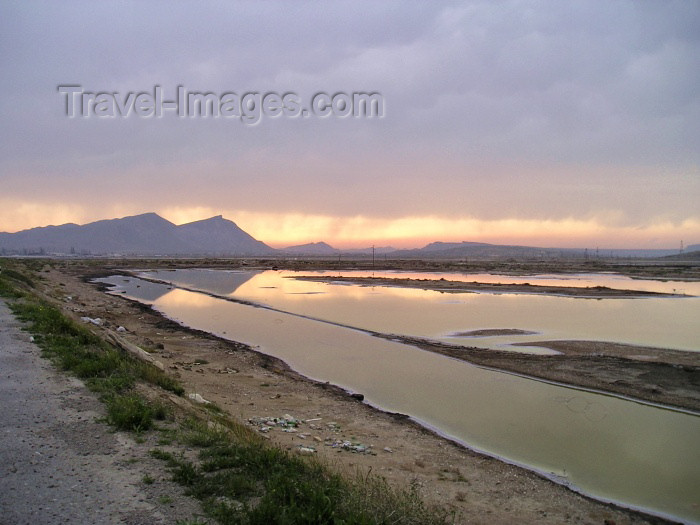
x=149, y=234
x=146, y=234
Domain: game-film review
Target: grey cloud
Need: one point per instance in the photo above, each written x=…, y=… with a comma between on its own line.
x=478, y=95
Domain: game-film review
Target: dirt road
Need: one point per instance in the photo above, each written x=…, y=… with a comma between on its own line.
x=58, y=464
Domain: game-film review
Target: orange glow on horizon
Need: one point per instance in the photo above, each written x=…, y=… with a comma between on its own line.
x=280, y=230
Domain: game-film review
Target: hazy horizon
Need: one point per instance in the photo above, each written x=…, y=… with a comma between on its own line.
x=553, y=124
x=413, y=243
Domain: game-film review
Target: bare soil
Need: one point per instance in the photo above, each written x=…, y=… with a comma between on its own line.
x=657, y=375
x=491, y=332
x=249, y=385
x=442, y=285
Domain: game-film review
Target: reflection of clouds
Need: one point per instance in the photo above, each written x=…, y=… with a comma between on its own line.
x=424, y=313
x=274, y=283
x=591, y=410
x=177, y=297
x=580, y=280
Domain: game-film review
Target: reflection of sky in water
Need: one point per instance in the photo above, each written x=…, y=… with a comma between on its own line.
x=617, y=449
x=575, y=280
x=662, y=322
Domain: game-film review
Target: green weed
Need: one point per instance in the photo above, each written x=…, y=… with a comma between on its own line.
x=129, y=412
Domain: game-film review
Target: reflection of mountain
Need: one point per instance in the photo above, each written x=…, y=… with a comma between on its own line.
x=217, y=282
x=144, y=290
x=146, y=234
x=150, y=291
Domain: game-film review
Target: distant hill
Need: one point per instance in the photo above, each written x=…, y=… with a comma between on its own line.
x=455, y=250
x=312, y=248
x=691, y=253
x=322, y=248
x=219, y=235
x=378, y=250
x=146, y=234
x=449, y=250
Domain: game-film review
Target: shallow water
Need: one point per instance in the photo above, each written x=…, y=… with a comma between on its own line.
x=662, y=322
x=578, y=280
x=612, y=448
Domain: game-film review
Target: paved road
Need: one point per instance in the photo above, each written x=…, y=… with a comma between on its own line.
x=57, y=463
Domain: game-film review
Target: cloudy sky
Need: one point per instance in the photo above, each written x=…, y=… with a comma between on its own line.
x=553, y=123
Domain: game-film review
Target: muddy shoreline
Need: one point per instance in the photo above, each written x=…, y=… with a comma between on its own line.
x=447, y=286
x=247, y=384
x=659, y=376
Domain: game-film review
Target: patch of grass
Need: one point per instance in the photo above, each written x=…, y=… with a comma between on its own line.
x=47, y=322
x=76, y=349
x=129, y=412
x=167, y=436
x=213, y=408
x=200, y=434
x=111, y=384
x=250, y=482
x=148, y=479
x=8, y=288
x=150, y=374
x=17, y=276
x=161, y=454
x=184, y=472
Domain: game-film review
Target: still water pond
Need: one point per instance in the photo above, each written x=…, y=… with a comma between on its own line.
x=663, y=322
x=614, y=449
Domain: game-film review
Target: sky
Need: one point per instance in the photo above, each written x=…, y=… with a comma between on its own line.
x=548, y=123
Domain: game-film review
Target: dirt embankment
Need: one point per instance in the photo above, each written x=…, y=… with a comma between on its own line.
x=657, y=375
x=250, y=385
x=442, y=285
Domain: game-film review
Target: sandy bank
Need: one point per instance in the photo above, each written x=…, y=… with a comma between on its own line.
x=447, y=286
